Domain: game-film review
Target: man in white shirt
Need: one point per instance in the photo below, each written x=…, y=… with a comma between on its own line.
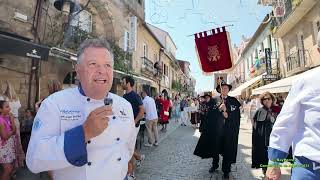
x=78, y=133
x=298, y=124
x=151, y=117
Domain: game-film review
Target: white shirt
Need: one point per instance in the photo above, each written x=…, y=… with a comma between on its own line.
x=299, y=120
x=107, y=154
x=150, y=108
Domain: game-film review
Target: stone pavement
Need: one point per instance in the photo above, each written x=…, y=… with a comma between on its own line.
x=173, y=159
x=25, y=174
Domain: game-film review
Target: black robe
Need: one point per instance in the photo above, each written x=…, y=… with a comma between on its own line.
x=228, y=140
x=263, y=122
x=209, y=131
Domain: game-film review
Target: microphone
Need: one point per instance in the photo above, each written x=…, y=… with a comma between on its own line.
x=107, y=101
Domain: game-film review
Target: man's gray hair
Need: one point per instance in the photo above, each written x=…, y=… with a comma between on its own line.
x=95, y=43
x=318, y=40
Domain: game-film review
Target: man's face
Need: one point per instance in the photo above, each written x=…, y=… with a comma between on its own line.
x=224, y=90
x=95, y=71
x=124, y=84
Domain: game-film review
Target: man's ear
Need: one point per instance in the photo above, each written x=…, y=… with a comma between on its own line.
x=77, y=69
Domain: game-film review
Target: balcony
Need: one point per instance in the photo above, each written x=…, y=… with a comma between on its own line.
x=296, y=62
x=147, y=65
x=295, y=11
x=149, y=70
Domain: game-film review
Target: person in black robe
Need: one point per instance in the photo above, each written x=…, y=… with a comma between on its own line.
x=263, y=121
x=229, y=116
x=206, y=145
x=220, y=130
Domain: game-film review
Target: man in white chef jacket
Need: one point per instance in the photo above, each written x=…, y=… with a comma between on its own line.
x=75, y=135
x=298, y=124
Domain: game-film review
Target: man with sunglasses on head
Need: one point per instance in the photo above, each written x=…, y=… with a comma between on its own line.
x=298, y=124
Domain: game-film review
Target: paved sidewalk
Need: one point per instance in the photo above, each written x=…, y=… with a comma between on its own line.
x=174, y=159
x=25, y=174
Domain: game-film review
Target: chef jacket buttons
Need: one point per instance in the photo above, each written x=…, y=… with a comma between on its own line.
x=88, y=99
x=119, y=159
x=89, y=163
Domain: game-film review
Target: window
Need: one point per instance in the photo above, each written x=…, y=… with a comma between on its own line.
x=165, y=70
x=316, y=29
x=262, y=47
x=126, y=41
x=155, y=57
x=145, y=50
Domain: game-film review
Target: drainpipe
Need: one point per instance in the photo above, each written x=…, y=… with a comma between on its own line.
x=35, y=62
x=161, y=50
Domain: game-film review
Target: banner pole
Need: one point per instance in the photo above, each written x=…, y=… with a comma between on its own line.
x=211, y=29
x=220, y=87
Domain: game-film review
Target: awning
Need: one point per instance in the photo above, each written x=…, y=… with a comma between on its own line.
x=238, y=90
x=282, y=85
x=20, y=47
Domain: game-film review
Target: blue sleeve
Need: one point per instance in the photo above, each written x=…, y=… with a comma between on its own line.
x=139, y=101
x=75, y=148
x=276, y=155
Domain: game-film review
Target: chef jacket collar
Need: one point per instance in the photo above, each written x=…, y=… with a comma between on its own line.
x=83, y=94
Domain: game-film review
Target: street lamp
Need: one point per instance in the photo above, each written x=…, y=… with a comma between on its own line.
x=64, y=5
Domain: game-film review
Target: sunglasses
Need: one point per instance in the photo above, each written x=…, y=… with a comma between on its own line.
x=266, y=99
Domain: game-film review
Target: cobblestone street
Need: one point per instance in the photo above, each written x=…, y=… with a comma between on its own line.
x=174, y=159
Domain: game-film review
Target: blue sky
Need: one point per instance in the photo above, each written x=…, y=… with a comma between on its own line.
x=185, y=17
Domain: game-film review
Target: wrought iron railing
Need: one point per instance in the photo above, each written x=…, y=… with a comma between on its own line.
x=147, y=65
x=296, y=60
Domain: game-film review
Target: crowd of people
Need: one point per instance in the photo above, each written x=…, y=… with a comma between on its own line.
x=91, y=130
x=41, y=126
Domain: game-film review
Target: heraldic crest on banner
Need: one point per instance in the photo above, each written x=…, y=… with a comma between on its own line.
x=213, y=50
x=213, y=53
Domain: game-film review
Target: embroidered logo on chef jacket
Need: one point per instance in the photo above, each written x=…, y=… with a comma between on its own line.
x=70, y=115
x=37, y=124
x=123, y=113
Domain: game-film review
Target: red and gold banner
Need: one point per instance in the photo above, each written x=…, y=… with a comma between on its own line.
x=213, y=50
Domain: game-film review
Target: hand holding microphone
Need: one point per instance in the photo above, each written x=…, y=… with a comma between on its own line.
x=98, y=120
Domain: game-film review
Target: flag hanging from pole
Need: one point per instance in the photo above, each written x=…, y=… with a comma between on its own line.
x=213, y=50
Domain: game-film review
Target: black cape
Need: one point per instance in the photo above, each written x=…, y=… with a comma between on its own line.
x=263, y=122
x=208, y=141
x=220, y=135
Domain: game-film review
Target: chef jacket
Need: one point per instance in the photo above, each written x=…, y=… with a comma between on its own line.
x=58, y=144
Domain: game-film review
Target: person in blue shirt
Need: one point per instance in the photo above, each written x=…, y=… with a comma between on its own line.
x=138, y=112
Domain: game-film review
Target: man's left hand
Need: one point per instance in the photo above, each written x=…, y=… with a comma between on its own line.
x=273, y=173
x=223, y=107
